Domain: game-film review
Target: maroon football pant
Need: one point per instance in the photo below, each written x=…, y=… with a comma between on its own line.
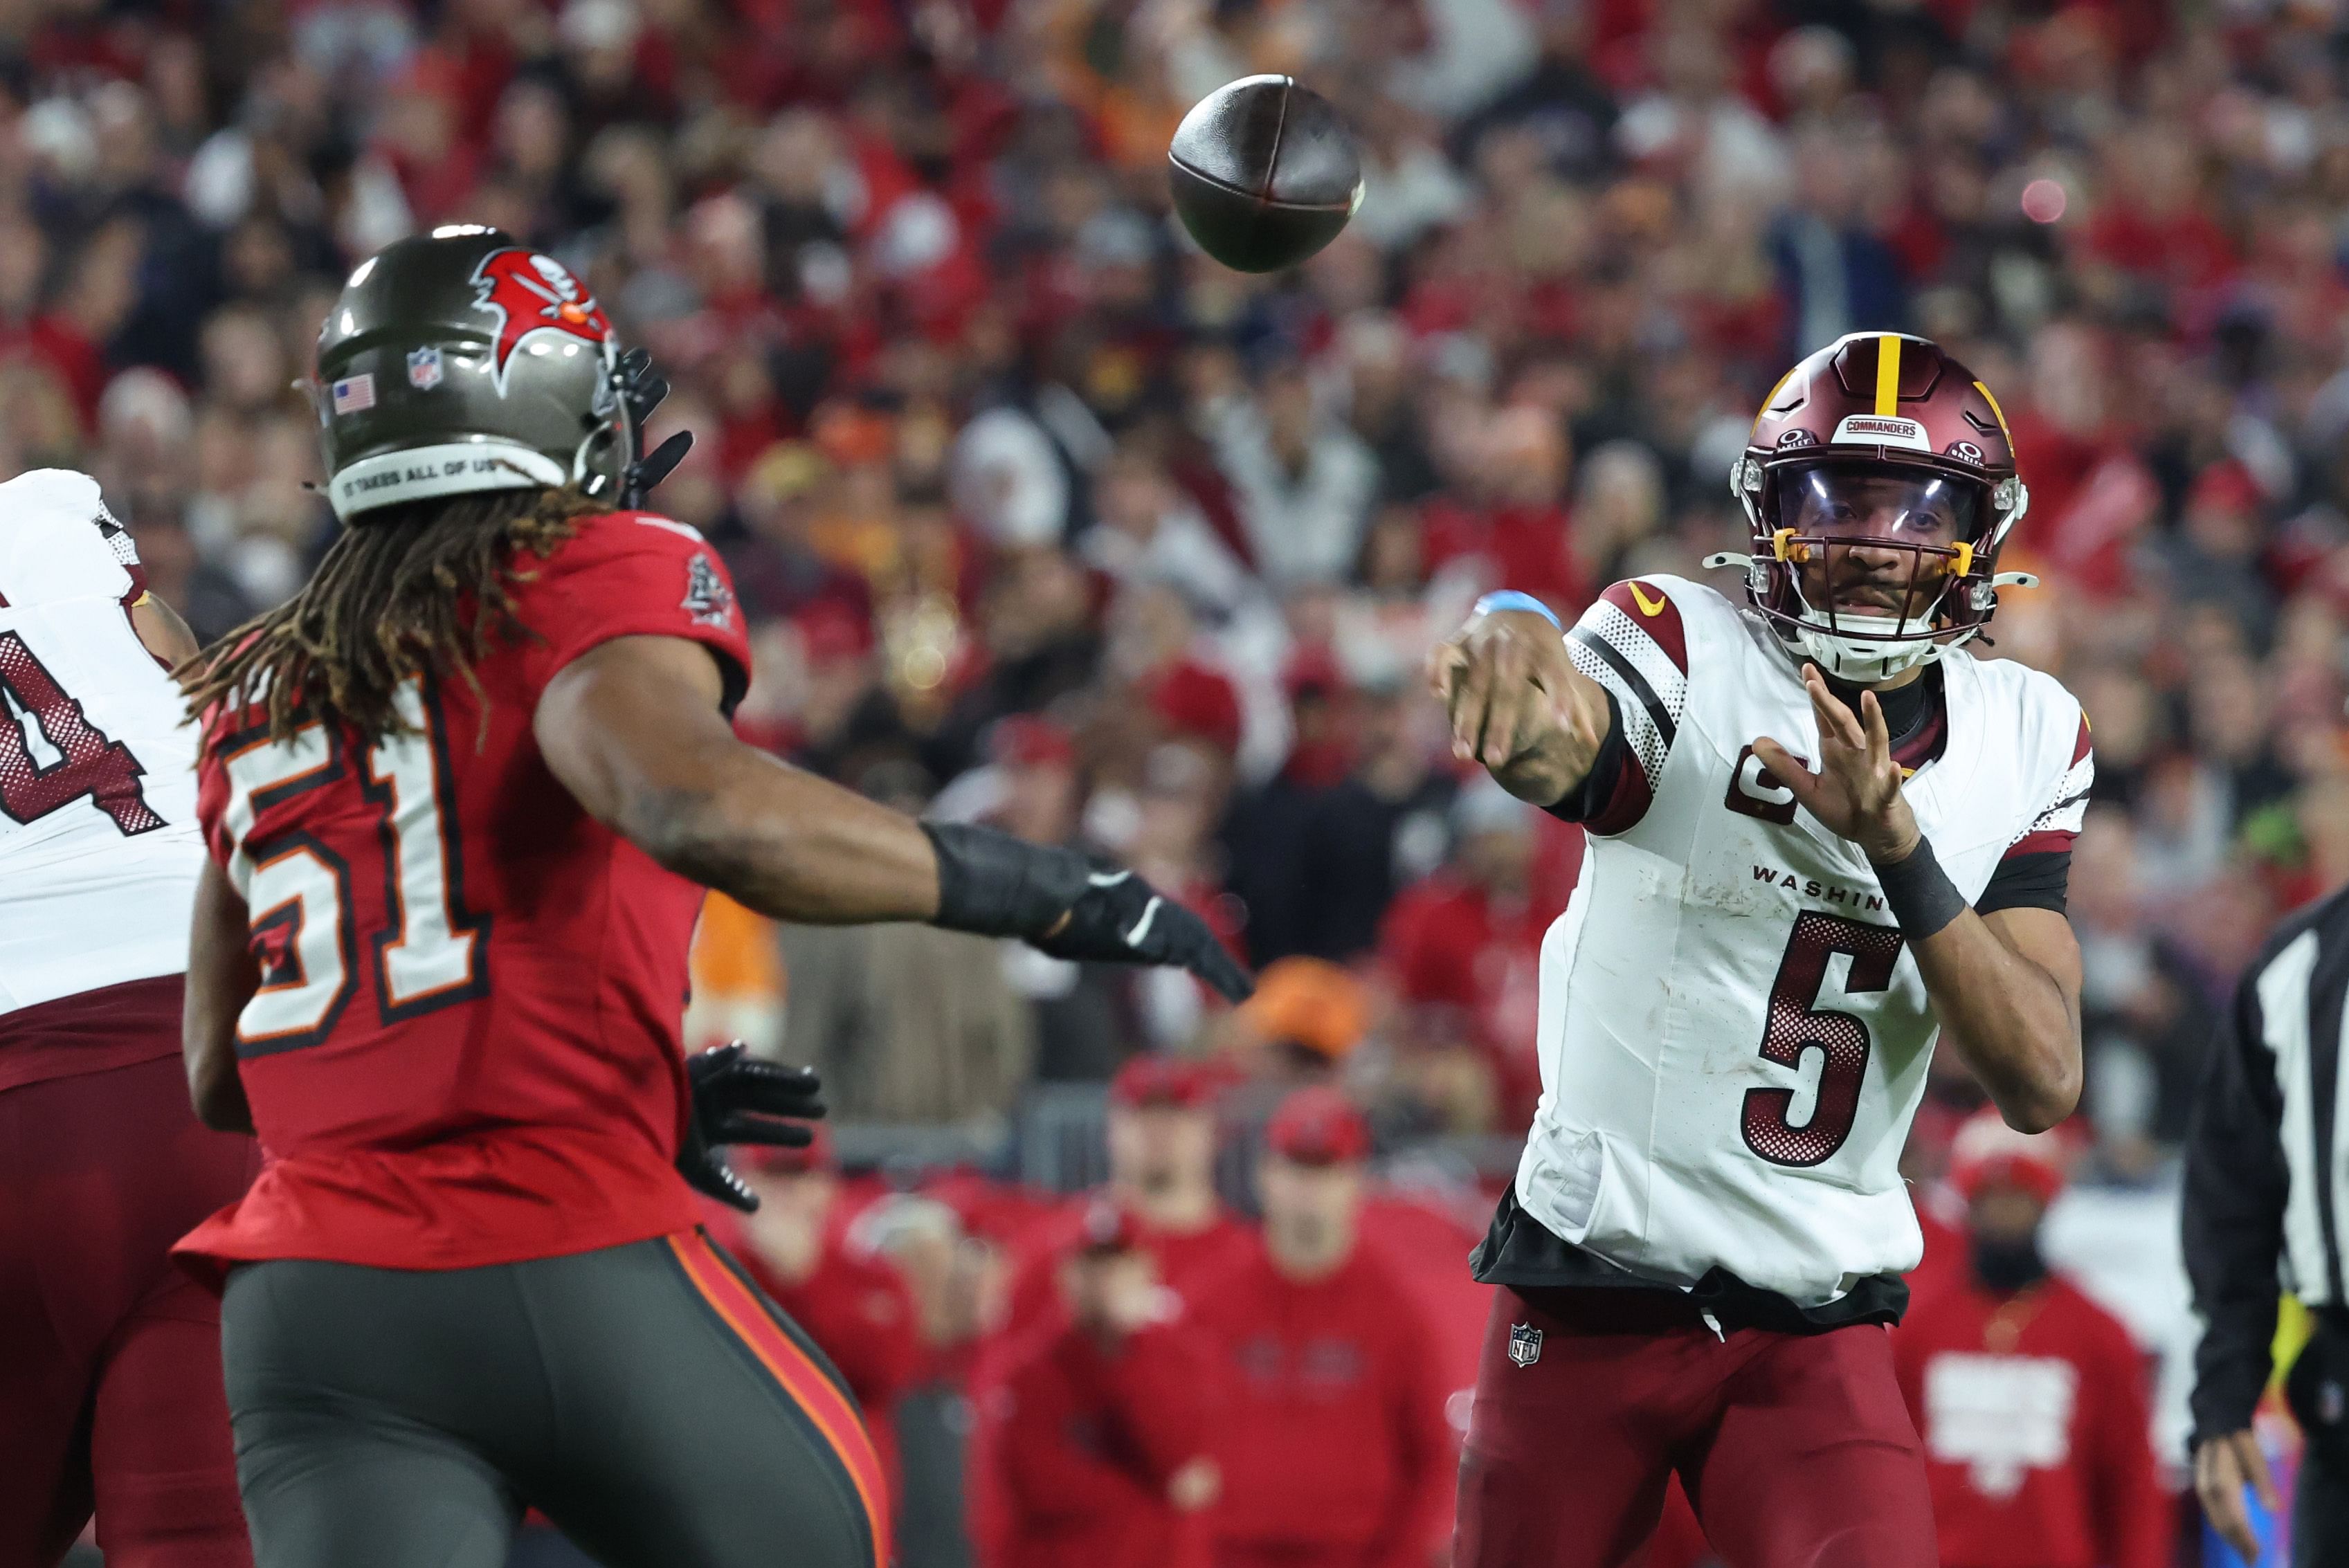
x=110, y=1357
x=1795, y=1449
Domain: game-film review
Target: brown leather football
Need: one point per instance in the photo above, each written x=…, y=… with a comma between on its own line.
x=1264, y=173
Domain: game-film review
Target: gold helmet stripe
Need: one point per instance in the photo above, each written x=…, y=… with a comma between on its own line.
x=1888, y=375
x=1994, y=408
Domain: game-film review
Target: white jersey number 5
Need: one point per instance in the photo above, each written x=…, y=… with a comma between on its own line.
x=1797, y=1025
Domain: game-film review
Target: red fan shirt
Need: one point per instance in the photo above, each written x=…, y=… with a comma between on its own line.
x=465, y=1049
x=2037, y=1438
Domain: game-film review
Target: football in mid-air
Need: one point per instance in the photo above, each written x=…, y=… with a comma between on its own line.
x=1264, y=173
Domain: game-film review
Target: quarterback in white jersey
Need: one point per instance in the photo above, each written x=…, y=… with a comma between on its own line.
x=98, y=843
x=110, y=1357
x=1820, y=830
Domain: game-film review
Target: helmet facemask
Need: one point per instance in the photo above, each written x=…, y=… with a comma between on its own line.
x=1870, y=569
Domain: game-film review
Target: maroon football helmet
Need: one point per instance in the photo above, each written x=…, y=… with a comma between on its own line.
x=1880, y=483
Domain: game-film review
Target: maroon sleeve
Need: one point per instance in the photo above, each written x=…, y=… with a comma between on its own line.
x=633, y=574
x=1614, y=795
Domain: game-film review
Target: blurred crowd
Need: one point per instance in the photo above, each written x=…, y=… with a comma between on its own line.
x=1043, y=519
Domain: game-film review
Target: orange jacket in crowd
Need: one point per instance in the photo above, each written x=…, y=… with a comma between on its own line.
x=2033, y=1413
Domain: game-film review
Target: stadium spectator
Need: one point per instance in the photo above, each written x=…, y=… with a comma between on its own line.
x=1161, y=1134
x=1306, y=1017
x=1377, y=830
x=1104, y=1423
x=2031, y=1398
x=1336, y=1454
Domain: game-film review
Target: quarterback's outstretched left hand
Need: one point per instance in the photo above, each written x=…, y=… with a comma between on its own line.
x=1856, y=790
x=738, y=1099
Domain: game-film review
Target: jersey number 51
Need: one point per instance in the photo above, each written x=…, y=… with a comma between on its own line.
x=430, y=952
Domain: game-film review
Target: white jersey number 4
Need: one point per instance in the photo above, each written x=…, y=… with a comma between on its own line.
x=299, y=892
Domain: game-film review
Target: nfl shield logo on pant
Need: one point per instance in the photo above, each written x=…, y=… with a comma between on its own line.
x=1525, y=1344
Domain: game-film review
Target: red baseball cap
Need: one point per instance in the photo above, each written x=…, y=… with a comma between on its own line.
x=1319, y=1126
x=1987, y=1152
x=1152, y=1079
x=1191, y=699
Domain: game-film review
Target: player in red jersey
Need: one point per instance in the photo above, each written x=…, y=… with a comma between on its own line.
x=109, y=1390
x=462, y=794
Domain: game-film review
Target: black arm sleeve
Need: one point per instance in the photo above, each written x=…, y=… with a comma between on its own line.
x=2038, y=880
x=2236, y=1184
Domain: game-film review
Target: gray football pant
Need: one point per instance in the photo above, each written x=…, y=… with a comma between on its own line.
x=645, y=1398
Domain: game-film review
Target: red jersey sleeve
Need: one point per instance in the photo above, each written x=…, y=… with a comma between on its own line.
x=632, y=574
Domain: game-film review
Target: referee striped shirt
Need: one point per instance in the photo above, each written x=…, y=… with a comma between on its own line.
x=2267, y=1189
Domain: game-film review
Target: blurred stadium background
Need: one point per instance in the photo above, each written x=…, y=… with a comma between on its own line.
x=1043, y=519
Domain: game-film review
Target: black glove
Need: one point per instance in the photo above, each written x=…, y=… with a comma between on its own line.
x=1064, y=905
x=738, y=1099
x=641, y=389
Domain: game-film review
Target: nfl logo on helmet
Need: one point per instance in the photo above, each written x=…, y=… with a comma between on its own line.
x=424, y=369
x=1525, y=1344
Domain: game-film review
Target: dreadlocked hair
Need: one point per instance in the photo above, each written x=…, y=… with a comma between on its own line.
x=419, y=587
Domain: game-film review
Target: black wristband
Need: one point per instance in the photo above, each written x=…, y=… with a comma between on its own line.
x=995, y=885
x=1922, y=896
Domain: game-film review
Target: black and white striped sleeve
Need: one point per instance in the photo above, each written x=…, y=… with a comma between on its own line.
x=1632, y=643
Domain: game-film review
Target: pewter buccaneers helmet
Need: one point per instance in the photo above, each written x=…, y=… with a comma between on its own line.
x=1882, y=409
x=462, y=361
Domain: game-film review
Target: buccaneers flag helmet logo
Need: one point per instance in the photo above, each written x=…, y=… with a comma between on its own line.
x=529, y=293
